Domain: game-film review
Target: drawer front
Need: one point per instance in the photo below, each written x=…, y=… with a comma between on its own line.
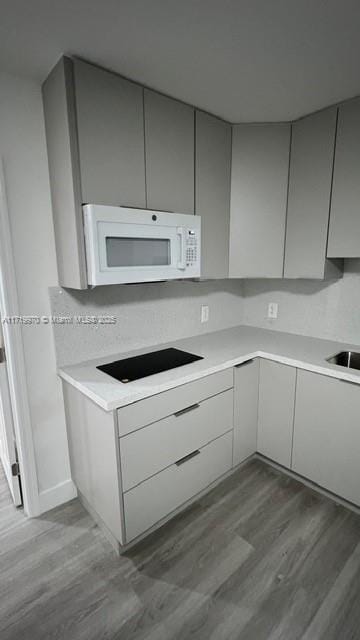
x=156, y=498
x=144, y=412
x=147, y=451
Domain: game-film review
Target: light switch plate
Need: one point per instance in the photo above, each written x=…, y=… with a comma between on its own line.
x=204, y=313
x=273, y=310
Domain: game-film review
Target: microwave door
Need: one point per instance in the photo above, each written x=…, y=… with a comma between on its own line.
x=139, y=253
x=133, y=252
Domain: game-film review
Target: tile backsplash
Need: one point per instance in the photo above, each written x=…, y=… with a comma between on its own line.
x=309, y=307
x=148, y=314
x=145, y=314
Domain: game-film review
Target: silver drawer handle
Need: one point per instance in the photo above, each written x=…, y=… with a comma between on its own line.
x=182, y=411
x=188, y=457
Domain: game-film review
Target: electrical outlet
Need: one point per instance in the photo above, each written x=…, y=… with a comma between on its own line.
x=204, y=313
x=273, y=310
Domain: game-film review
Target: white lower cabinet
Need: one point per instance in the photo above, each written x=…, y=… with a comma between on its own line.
x=145, y=412
x=157, y=497
x=172, y=446
x=277, y=384
x=246, y=389
x=326, y=434
x=151, y=449
x=163, y=451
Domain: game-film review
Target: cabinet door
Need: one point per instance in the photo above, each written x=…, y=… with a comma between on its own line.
x=344, y=230
x=259, y=178
x=276, y=411
x=212, y=193
x=169, y=148
x=311, y=164
x=326, y=433
x=110, y=126
x=246, y=387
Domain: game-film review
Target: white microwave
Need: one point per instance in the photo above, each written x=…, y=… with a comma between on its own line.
x=135, y=245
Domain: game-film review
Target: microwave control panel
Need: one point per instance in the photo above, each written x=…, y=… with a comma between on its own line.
x=191, y=248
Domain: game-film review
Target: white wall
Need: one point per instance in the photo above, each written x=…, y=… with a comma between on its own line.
x=146, y=314
x=22, y=146
x=313, y=308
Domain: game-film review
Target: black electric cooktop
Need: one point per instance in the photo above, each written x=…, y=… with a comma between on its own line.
x=148, y=364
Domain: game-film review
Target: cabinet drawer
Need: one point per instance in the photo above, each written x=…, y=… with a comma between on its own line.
x=151, y=449
x=144, y=412
x=156, y=498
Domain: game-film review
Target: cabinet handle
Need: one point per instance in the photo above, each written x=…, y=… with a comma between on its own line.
x=188, y=457
x=237, y=366
x=182, y=411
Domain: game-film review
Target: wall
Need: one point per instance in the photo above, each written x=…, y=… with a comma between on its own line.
x=326, y=310
x=22, y=146
x=145, y=315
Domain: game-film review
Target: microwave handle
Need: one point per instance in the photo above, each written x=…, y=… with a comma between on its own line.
x=182, y=262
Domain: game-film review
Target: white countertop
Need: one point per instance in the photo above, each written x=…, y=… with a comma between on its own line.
x=220, y=350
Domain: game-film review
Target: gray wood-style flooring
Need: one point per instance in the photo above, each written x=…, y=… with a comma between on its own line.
x=259, y=558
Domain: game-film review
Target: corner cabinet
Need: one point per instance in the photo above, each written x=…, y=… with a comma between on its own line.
x=310, y=178
x=259, y=180
x=212, y=192
x=277, y=383
x=169, y=153
x=344, y=230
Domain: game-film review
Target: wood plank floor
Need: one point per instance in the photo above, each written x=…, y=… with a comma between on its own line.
x=259, y=558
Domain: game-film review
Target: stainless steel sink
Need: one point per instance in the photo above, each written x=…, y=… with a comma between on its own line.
x=348, y=359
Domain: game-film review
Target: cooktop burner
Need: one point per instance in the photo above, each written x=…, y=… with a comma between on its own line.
x=148, y=364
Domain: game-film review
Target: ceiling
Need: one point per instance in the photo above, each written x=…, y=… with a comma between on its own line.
x=244, y=60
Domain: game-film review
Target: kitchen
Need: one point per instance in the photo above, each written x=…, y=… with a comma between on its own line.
x=206, y=419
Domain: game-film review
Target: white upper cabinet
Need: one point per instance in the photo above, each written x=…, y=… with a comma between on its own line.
x=110, y=128
x=311, y=166
x=212, y=193
x=344, y=230
x=63, y=158
x=264, y=210
x=169, y=153
x=95, y=140
x=259, y=180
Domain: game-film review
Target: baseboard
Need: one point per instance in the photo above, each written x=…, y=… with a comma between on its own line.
x=57, y=495
x=308, y=483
